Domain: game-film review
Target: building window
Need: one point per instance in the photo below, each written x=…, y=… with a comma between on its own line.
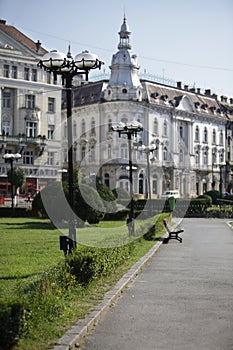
x=48, y=78
x=93, y=126
x=197, y=156
x=28, y=157
x=34, y=74
x=31, y=129
x=165, y=128
x=14, y=72
x=26, y=73
x=109, y=125
x=6, y=71
x=50, y=158
x=154, y=184
x=221, y=138
x=50, y=132
x=83, y=152
x=92, y=153
x=197, y=134
x=205, y=157
x=205, y=135
x=6, y=103
x=214, y=158
x=181, y=132
x=221, y=156
x=30, y=101
x=140, y=183
x=165, y=154
x=106, y=180
x=181, y=156
x=83, y=127
x=75, y=129
x=214, y=137
x=109, y=151
x=155, y=127
x=5, y=127
x=124, y=151
x=51, y=104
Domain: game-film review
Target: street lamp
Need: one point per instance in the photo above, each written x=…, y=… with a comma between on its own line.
x=11, y=157
x=130, y=129
x=64, y=65
x=147, y=150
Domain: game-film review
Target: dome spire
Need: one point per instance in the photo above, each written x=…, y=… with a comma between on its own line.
x=124, y=34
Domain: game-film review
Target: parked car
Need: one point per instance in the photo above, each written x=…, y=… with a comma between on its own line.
x=171, y=193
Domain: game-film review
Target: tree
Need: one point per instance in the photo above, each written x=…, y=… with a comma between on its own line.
x=17, y=178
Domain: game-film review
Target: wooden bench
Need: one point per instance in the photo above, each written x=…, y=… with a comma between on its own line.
x=173, y=234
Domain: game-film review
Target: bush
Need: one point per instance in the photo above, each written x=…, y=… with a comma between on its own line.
x=215, y=195
x=108, y=197
x=88, y=204
x=122, y=196
x=207, y=198
x=88, y=264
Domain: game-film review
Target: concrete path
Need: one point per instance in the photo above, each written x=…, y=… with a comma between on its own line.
x=182, y=300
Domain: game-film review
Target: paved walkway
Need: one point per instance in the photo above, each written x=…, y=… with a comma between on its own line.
x=182, y=300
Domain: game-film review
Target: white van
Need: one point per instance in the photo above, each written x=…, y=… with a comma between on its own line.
x=171, y=193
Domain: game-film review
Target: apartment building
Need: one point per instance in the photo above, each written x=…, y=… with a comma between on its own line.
x=30, y=113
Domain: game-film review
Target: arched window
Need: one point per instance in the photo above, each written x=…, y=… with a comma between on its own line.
x=205, y=135
x=181, y=131
x=109, y=151
x=75, y=129
x=165, y=153
x=214, y=136
x=83, y=126
x=140, y=184
x=155, y=127
x=197, y=156
x=109, y=125
x=205, y=157
x=181, y=155
x=221, y=138
x=165, y=128
x=124, y=151
x=83, y=152
x=197, y=134
x=106, y=179
x=92, y=126
x=92, y=153
x=154, y=184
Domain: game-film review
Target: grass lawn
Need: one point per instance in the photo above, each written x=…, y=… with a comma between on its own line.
x=29, y=247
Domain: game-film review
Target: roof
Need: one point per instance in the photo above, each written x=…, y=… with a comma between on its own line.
x=15, y=34
x=163, y=95
x=86, y=94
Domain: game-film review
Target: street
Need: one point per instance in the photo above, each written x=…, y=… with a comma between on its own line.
x=182, y=300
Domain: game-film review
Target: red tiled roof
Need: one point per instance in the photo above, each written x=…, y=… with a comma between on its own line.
x=16, y=34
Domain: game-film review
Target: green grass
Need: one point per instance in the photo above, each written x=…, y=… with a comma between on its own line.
x=28, y=247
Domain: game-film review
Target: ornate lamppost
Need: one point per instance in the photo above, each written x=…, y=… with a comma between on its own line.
x=11, y=157
x=130, y=129
x=64, y=65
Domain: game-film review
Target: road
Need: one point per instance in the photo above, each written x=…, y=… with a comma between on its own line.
x=182, y=300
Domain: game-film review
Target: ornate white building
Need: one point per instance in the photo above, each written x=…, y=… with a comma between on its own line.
x=30, y=111
x=187, y=127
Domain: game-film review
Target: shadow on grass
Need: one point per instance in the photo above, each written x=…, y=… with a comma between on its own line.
x=31, y=225
x=9, y=278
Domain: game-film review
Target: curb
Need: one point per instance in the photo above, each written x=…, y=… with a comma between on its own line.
x=75, y=337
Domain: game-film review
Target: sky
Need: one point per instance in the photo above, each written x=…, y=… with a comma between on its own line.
x=182, y=40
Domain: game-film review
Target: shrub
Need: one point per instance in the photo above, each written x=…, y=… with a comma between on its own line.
x=122, y=196
x=215, y=195
x=108, y=197
x=207, y=198
x=87, y=263
x=88, y=204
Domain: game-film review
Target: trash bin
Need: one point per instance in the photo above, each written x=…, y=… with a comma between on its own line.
x=172, y=203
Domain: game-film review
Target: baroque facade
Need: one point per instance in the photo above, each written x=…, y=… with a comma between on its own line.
x=191, y=131
x=30, y=111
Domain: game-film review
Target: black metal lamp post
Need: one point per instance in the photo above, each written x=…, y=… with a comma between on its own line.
x=11, y=157
x=130, y=129
x=64, y=65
